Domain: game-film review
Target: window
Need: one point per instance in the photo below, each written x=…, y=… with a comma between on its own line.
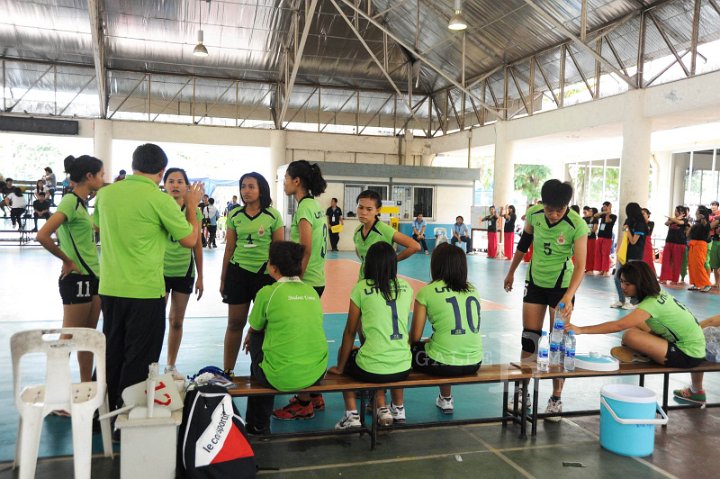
x=382, y=190
x=351, y=194
x=402, y=195
x=423, y=201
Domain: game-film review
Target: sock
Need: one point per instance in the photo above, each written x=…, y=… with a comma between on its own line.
x=695, y=391
x=447, y=398
x=350, y=413
x=555, y=398
x=397, y=406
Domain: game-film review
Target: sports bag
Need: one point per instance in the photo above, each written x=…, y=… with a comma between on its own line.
x=212, y=440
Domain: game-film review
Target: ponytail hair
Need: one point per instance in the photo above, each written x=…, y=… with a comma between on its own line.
x=79, y=167
x=381, y=269
x=310, y=176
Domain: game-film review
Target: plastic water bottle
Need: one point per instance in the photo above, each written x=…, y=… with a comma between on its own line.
x=569, y=361
x=543, y=361
x=556, y=337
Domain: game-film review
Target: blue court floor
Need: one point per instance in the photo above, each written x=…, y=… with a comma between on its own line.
x=29, y=299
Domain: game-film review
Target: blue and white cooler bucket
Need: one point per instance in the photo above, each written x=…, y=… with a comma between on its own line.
x=628, y=419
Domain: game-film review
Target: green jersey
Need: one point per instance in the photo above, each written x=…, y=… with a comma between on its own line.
x=455, y=319
x=295, y=350
x=385, y=326
x=379, y=232
x=553, y=247
x=135, y=218
x=309, y=209
x=179, y=261
x=672, y=321
x=254, y=235
x=76, y=235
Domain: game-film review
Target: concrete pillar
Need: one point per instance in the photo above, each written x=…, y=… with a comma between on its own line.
x=662, y=199
x=278, y=152
x=635, y=157
x=504, y=166
x=680, y=165
x=408, y=158
x=102, y=147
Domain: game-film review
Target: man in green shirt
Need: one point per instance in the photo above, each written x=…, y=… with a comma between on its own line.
x=559, y=239
x=135, y=219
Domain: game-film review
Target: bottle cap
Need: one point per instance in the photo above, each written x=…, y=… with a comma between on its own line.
x=544, y=333
x=561, y=305
x=571, y=333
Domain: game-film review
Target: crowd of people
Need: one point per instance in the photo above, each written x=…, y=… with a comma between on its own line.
x=152, y=254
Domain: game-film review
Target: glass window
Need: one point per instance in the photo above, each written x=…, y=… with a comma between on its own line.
x=351, y=194
x=403, y=196
x=382, y=190
x=423, y=201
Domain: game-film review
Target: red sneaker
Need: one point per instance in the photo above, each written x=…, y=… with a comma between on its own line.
x=316, y=399
x=295, y=410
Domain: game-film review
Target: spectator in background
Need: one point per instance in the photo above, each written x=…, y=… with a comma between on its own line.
x=3, y=186
x=231, y=205
x=40, y=188
x=50, y=184
x=419, y=226
x=509, y=230
x=334, y=218
x=212, y=215
x=649, y=256
x=120, y=176
x=16, y=201
x=714, y=246
x=41, y=209
x=461, y=234
x=603, y=244
x=699, y=234
x=675, y=245
x=492, y=220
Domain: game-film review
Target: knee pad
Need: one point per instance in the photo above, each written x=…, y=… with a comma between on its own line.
x=530, y=338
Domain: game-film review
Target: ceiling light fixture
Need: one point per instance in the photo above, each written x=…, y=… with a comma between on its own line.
x=200, y=50
x=457, y=21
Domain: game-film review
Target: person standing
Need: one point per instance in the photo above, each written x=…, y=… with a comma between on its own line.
x=509, y=231
x=251, y=229
x=334, y=218
x=635, y=229
x=492, y=219
x=603, y=244
x=179, y=270
x=553, y=277
x=699, y=234
x=675, y=246
x=135, y=218
x=212, y=216
x=79, y=276
x=50, y=184
x=419, y=227
x=714, y=252
x=649, y=255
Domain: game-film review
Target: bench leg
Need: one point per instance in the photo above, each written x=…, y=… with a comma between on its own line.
x=666, y=388
x=523, y=414
x=534, y=418
x=506, y=395
x=373, y=421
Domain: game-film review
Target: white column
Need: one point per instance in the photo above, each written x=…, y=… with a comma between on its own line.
x=504, y=166
x=662, y=199
x=680, y=164
x=635, y=157
x=278, y=152
x=102, y=146
x=408, y=158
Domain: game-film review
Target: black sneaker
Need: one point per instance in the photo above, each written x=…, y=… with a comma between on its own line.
x=257, y=431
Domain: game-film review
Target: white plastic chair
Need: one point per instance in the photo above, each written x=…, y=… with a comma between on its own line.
x=34, y=402
x=440, y=236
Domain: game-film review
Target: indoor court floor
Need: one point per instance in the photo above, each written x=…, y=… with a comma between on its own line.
x=570, y=448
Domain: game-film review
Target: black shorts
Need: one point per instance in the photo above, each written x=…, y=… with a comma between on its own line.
x=319, y=290
x=242, y=285
x=425, y=364
x=179, y=285
x=78, y=288
x=547, y=296
x=353, y=370
x=675, y=358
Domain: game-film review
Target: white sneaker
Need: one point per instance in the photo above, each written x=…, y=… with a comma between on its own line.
x=384, y=418
x=348, y=421
x=510, y=404
x=628, y=306
x=445, y=404
x=617, y=305
x=553, y=407
x=175, y=373
x=397, y=413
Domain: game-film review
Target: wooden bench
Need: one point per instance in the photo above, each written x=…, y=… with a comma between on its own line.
x=634, y=369
x=492, y=373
